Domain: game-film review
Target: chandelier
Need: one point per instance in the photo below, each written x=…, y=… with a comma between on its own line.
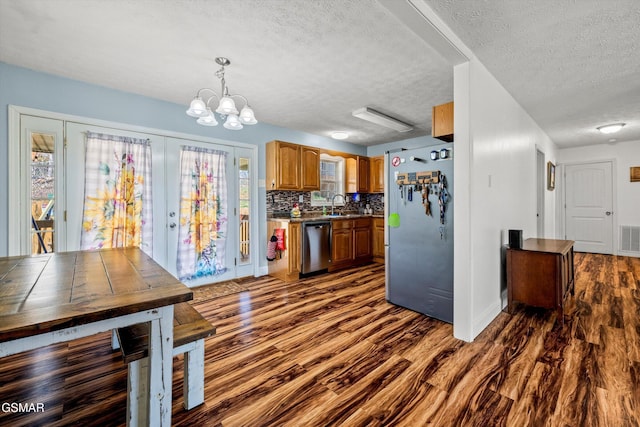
x=226, y=106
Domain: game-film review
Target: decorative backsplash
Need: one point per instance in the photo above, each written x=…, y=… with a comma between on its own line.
x=281, y=202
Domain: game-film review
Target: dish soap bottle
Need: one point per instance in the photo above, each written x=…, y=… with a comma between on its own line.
x=295, y=212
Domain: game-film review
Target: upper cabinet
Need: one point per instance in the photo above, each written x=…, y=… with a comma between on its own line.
x=357, y=174
x=376, y=174
x=292, y=166
x=310, y=165
x=442, y=122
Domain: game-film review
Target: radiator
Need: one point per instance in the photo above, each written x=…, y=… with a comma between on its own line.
x=630, y=238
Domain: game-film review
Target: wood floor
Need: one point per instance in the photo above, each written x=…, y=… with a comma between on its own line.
x=330, y=350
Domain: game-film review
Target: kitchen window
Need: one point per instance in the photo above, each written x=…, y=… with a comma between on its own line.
x=331, y=181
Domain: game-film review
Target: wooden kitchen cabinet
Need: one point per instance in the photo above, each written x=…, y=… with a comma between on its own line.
x=292, y=166
x=341, y=244
x=362, y=252
x=350, y=243
x=540, y=274
x=357, y=174
x=378, y=239
x=376, y=174
x=442, y=122
x=309, y=168
x=287, y=265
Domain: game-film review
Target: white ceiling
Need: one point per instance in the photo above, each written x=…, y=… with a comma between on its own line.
x=306, y=65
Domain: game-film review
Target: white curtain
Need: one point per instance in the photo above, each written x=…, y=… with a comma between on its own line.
x=203, y=213
x=117, y=201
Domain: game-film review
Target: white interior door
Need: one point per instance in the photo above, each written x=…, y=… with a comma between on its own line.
x=172, y=186
x=589, y=206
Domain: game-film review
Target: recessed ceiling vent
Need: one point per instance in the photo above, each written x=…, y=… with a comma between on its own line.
x=629, y=238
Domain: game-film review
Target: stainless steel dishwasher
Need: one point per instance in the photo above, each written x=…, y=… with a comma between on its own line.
x=316, y=246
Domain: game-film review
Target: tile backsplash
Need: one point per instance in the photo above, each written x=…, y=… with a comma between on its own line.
x=281, y=202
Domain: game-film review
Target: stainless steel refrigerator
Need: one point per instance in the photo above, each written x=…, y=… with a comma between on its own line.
x=418, y=246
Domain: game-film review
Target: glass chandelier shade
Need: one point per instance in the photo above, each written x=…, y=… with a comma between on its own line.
x=226, y=105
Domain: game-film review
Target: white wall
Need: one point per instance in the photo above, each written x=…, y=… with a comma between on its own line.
x=495, y=165
x=626, y=194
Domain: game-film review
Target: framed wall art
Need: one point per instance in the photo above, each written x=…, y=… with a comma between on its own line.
x=551, y=176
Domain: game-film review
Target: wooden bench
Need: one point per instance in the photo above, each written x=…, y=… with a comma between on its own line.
x=189, y=331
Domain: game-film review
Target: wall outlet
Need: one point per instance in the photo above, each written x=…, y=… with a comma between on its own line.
x=301, y=198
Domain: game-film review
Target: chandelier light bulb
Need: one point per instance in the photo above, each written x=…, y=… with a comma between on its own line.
x=233, y=123
x=208, y=120
x=227, y=106
x=247, y=116
x=197, y=108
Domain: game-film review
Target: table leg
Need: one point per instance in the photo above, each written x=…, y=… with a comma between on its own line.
x=160, y=369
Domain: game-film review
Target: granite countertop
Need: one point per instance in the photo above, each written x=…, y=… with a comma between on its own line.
x=315, y=217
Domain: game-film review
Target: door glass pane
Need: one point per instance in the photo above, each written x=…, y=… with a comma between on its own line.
x=245, y=204
x=42, y=193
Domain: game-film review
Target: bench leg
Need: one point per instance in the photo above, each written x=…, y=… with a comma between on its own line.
x=115, y=342
x=193, y=389
x=137, y=381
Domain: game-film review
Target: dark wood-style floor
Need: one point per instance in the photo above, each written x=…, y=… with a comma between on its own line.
x=330, y=350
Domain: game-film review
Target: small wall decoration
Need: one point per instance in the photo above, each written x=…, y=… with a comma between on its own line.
x=551, y=176
x=634, y=174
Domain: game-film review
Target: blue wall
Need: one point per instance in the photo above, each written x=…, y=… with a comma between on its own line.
x=27, y=88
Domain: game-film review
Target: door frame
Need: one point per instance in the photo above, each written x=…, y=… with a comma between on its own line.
x=15, y=196
x=541, y=189
x=614, y=197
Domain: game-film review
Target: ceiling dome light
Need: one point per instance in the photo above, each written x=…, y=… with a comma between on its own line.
x=339, y=135
x=226, y=106
x=613, y=128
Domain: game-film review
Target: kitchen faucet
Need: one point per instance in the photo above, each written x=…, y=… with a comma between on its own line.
x=333, y=199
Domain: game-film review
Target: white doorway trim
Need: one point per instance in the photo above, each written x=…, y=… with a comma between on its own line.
x=541, y=189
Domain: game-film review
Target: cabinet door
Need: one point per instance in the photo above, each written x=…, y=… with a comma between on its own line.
x=294, y=248
x=363, y=174
x=376, y=174
x=341, y=247
x=378, y=238
x=351, y=175
x=288, y=166
x=362, y=243
x=442, y=122
x=310, y=166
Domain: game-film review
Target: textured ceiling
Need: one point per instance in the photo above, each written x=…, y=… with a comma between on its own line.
x=306, y=65
x=572, y=64
x=303, y=65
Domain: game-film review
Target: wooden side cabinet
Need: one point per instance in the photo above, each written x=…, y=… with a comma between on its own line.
x=442, y=122
x=541, y=274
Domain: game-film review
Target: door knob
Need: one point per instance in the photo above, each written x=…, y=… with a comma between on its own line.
x=608, y=213
x=172, y=225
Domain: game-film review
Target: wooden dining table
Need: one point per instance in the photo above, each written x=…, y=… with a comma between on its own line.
x=57, y=297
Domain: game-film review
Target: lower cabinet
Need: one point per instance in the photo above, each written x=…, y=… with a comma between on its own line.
x=287, y=265
x=350, y=243
x=378, y=239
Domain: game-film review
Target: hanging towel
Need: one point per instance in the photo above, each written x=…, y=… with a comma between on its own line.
x=279, y=233
x=271, y=248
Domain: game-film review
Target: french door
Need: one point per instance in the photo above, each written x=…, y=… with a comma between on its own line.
x=59, y=203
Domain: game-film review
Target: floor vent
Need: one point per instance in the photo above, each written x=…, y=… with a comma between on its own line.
x=629, y=238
